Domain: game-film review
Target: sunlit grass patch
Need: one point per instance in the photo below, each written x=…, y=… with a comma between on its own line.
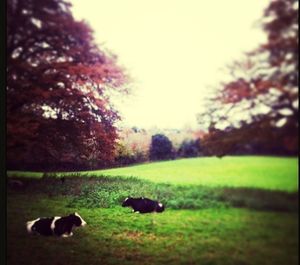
x=273, y=173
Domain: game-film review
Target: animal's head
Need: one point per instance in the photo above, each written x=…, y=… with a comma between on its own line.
x=31, y=225
x=160, y=207
x=127, y=202
x=76, y=219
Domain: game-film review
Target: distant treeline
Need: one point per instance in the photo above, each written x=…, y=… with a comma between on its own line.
x=159, y=148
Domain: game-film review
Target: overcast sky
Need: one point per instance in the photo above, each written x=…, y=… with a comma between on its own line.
x=173, y=49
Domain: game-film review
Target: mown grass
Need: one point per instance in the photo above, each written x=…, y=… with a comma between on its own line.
x=253, y=172
x=215, y=236
x=274, y=173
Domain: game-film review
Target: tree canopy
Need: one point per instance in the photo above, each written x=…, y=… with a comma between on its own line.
x=259, y=103
x=59, y=85
x=161, y=148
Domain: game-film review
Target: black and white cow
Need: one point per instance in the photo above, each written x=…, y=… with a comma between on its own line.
x=59, y=226
x=143, y=205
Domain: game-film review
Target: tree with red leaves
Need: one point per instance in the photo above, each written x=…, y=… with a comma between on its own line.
x=260, y=103
x=59, y=85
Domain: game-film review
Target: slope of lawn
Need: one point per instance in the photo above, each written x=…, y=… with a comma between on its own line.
x=257, y=172
x=275, y=173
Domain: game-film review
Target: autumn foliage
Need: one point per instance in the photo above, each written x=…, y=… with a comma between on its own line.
x=59, y=85
x=259, y=105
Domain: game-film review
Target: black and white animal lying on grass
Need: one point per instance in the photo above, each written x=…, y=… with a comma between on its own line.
x=143, y=205
x=59, y=226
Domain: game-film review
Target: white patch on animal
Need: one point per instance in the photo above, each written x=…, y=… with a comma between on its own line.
x=67, y=235
x=137, y=212
x=126, y=199
x=29, y=225
x=83, y=223
x=160, y=205
x=53, y=222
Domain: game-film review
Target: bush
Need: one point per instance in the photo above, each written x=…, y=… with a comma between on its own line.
x=125, y=155
x=189, y=148
x=161, y=148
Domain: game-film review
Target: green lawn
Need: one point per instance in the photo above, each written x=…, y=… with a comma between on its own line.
x=273, y=173
x=215, y=236
x=256, y=172
x=253, y=221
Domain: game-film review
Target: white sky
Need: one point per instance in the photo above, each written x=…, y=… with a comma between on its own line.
x=173, y=49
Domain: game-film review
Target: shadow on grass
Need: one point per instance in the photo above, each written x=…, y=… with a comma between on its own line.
x=105, y=192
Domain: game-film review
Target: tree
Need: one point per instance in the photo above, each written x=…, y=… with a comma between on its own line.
x=59, y=85
x=260, y=102
x=161, y=148
x=189, y=148
x=124, y=156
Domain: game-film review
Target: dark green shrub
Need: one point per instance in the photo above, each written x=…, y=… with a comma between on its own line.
x=161, y=148
x=189, y=148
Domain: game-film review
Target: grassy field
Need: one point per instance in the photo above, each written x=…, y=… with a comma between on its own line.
x=256, y=172
x=274, y=173
x=116, y=236
x=213, y=224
